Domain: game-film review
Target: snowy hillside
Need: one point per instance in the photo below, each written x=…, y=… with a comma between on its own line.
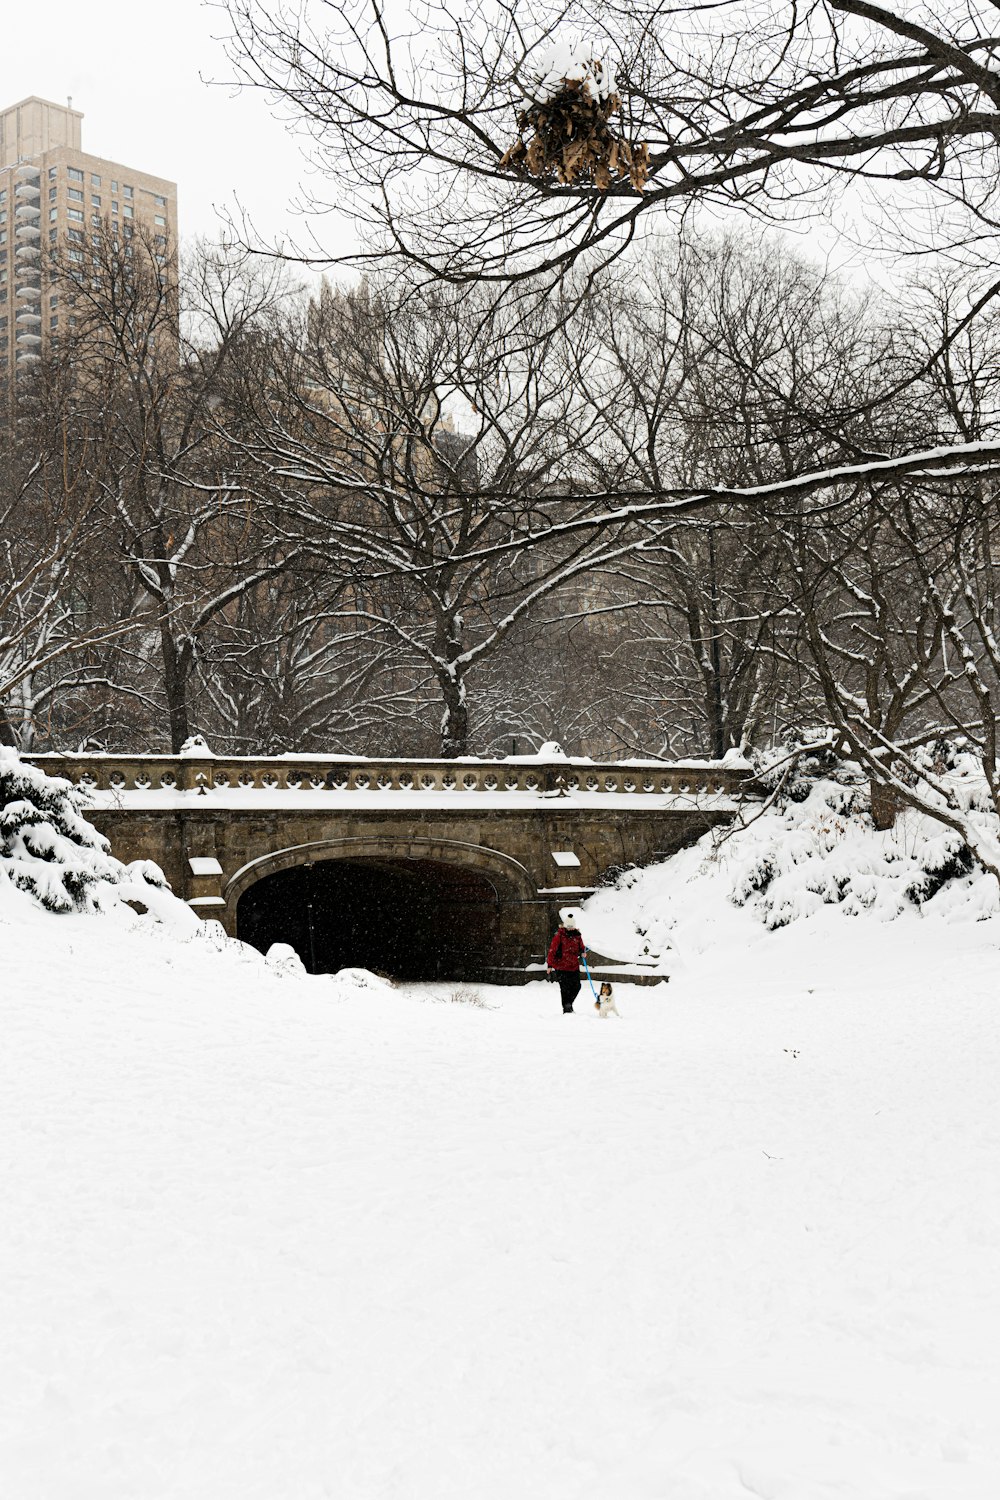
x=271, y=1237
x=788, y=863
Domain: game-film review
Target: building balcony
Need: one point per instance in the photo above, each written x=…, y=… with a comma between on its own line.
x=27, y=213
x=25, y=254
x=27, y=192
x=28, y=318
x=29, y=340
x=27, y=232
x=28, y=173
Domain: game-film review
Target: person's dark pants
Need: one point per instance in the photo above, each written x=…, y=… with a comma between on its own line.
x=569, y=988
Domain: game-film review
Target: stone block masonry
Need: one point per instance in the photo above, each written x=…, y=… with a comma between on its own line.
x=218, y=826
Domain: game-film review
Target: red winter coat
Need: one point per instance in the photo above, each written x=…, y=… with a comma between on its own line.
x=565, y=951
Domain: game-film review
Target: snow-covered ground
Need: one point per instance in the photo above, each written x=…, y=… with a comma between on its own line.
x=271, y=1237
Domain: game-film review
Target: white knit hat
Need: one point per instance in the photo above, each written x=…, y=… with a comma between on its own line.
x=569, y=917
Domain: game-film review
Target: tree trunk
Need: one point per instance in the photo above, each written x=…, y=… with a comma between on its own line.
x=885, y=805
x=455, y=719
x=175, y=690
x=716, y=709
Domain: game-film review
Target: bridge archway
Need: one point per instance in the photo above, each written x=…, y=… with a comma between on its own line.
x=416, y=909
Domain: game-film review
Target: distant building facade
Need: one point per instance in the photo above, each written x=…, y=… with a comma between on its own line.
x=53, y=193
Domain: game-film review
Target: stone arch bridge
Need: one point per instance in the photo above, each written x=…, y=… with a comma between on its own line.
x=423, y=868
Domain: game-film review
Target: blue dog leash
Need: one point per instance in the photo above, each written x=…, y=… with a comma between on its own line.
x=597, y=998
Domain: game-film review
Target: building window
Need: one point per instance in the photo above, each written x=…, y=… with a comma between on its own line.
x=52, y=236
x=95, y=201
x=52, y=193
x=127, y=191
x=114, y=205
x=74, y=213
x=74, y=174
x=53, y=302
x=159, y=219
x=114, y=187
x=95, y=181
x=3, y=236
x=53, y=324
x=159, y=200
x=3, y=217
x=3, y=195
x=75, y=194
x=76, y=255
x=76, y=234
x=52, y=172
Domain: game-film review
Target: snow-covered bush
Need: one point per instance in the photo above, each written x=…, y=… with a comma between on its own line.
x=824, y=850
x=361, y=982
x=813, y=847
x=49, y=850
x=789, y=771
x=821, y=845
x=283, y=959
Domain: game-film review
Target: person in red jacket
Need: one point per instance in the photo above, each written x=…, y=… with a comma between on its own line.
x=565, y=952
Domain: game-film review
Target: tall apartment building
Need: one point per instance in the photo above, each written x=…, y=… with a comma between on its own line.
x=51, y=191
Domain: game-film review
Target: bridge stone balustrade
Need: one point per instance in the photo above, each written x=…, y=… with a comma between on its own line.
x=217, y=825
x=127, y=773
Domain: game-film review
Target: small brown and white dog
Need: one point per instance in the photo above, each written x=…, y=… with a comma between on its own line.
x=605, y=1003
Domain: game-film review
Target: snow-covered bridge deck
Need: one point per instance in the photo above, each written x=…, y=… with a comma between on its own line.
x=341, y=773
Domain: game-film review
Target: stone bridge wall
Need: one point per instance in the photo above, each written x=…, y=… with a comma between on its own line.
x=240, y=819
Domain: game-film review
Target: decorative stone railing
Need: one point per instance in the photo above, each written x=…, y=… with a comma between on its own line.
x=127, y=773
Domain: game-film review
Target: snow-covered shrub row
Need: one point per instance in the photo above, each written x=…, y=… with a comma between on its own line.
x=824, y=850
x=49, y=850
x=814, y=847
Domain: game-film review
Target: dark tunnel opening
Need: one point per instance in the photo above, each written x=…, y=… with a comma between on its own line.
x=411, y=919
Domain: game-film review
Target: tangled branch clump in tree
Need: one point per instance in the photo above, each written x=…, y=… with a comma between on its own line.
x=572, y=98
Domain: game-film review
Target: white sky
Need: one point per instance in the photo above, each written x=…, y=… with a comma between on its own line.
x=136, y=68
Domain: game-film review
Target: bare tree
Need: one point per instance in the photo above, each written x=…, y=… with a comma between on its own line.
x=51, y=645
x=727, y=363
x=898, y=606
x=280, y=670
x=412, y=111
x=417, y=438
x=152, y=356
x=516, y=143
